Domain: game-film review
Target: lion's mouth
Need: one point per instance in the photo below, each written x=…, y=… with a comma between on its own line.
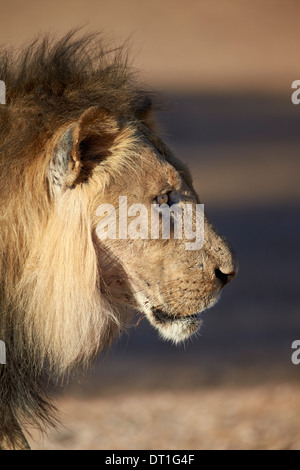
x=164, y=317
x=176, y=328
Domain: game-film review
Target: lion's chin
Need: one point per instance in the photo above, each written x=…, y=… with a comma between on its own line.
x=172, y=328
x=178, y=328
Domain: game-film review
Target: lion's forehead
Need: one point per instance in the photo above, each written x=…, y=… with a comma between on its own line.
x=174, y=178
x=145, y=158
x=156, y=176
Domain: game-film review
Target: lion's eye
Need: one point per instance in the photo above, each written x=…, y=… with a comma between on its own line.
x=162, y=199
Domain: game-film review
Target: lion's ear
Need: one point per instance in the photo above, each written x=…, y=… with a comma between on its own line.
x=81, y=146
x=145, y=113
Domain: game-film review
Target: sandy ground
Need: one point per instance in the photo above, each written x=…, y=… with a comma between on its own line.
x=260, y=417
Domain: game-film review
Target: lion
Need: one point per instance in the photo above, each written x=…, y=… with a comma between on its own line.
x=78, y=131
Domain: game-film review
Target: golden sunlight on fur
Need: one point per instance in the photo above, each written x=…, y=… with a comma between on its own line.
x=77, y=132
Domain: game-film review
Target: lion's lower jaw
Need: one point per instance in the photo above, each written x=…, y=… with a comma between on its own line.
x=178, y=329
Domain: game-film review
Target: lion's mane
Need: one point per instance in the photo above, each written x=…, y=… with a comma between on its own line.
x=49, y=275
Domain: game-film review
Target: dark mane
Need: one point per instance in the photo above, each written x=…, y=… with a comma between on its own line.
x=80, y=71
x=54, y=80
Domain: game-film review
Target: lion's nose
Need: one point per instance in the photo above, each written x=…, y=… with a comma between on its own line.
x=224, y=277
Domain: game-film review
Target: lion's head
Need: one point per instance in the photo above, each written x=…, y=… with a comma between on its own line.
x=105, y=160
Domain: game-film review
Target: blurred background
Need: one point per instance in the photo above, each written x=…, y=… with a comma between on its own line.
x=227, y=69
